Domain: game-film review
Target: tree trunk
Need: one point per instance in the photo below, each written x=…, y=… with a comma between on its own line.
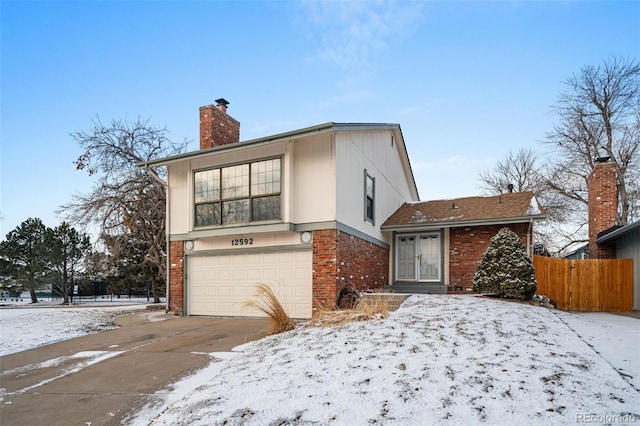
x=32, y=292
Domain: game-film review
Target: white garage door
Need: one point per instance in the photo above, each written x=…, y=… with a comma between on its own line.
x=220, y=284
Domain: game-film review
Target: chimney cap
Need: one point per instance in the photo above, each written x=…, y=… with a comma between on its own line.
x=603, y=159
x=222, y=101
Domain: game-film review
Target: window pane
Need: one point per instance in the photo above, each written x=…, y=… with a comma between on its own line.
x=369, y=208
x=235, y=181
x=369, y=186
x=265, y=177
x=207, y=185
x=235, y=211
x=266, y=208
x=208, y=214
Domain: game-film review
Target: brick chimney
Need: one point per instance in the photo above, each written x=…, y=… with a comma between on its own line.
x=603, y=205
x=216, y=127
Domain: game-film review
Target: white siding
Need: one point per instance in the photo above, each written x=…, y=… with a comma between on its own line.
x=181, y=180
x=371, y=150
x=314, y=180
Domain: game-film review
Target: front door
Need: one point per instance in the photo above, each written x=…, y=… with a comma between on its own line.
x=419, y=257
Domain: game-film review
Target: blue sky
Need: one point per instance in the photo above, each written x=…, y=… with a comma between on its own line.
x=467, y=81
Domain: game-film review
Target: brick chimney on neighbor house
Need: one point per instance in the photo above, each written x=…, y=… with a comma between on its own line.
x=216, y=127
x=603, y=205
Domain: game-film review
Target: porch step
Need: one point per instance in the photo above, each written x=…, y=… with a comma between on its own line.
x=393, y=300
x=421, y=288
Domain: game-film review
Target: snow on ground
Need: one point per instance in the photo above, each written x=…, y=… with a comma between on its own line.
x=23, y=327
x=438, y=359
x=601, y=332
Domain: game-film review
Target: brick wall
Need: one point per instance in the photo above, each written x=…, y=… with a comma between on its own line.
x=603, y=206
x=176, y=278
x=339, y=259
x=361, y=264
x=216, y=127
x=466, y=247
x=325, y=261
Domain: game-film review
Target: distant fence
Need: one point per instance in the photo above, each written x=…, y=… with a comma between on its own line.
x=599, y=285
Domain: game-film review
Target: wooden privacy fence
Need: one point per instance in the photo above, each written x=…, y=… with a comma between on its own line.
x=603, y=285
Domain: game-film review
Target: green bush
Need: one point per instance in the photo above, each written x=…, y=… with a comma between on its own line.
x=505, y=269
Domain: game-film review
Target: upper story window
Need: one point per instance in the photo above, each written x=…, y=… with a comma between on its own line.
x=369, y=197
x=240, y=193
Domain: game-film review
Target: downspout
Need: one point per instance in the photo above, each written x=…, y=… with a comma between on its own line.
x=530, y=238
x=168, y=245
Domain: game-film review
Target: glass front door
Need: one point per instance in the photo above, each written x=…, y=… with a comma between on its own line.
x=419, y=257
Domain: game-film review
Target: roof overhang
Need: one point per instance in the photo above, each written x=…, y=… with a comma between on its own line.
x=307, y=131
x=461, y=224
x=618, y=232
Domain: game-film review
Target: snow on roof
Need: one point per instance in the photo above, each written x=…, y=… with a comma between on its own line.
x=499, y=208
x=534, y=207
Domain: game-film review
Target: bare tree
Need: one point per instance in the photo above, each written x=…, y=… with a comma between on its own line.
x=519, y=170
x=126, y=200
x=599, y=116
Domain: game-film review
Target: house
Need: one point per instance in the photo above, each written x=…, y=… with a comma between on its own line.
x=607, y=240
x=299, y=210
x=312, y=210
x=437, y=244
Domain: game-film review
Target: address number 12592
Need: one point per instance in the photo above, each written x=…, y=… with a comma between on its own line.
x=242, y=241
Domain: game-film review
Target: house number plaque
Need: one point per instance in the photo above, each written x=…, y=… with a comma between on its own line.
x=242, y=241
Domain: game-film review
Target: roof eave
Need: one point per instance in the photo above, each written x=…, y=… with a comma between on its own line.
x=459, y=224
x=307, y=131
x=320, y=128
x=620, y=231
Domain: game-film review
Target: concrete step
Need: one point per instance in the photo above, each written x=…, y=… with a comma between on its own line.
x=393, y=300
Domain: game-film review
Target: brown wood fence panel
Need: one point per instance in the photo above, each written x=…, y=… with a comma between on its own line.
x=604, y=285
x=552, y=275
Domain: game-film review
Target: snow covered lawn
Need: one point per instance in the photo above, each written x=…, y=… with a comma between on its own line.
x=438, y=359
x=30, y=327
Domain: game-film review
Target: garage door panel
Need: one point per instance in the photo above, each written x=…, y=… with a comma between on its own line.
x=220, y=285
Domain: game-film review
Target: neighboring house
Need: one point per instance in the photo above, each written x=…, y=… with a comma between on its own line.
x=300, y=210
x=625, y=242
x=437, y=244
x=606, y=239
x=304, y=211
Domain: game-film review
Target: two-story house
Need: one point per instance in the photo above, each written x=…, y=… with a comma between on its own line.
x=300, y=211
x=314, y=209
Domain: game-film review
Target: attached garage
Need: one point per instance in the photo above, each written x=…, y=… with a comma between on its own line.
x=219, y=284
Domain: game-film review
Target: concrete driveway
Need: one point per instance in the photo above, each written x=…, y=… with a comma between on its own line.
x=98, y=379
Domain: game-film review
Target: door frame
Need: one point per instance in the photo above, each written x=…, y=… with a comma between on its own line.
x=417, y=240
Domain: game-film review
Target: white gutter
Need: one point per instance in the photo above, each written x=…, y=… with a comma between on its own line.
x=460, y=224
x=168, y=246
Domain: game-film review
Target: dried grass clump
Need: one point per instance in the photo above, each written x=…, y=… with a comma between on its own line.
x=368, y=308
x=266, y=301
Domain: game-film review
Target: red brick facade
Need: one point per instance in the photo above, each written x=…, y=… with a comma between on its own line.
x=176, y=278
x=361, y=264
x=340, y=259
x=216, y=127
x=603, y=206
x=466, y=247
x=325, y=267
